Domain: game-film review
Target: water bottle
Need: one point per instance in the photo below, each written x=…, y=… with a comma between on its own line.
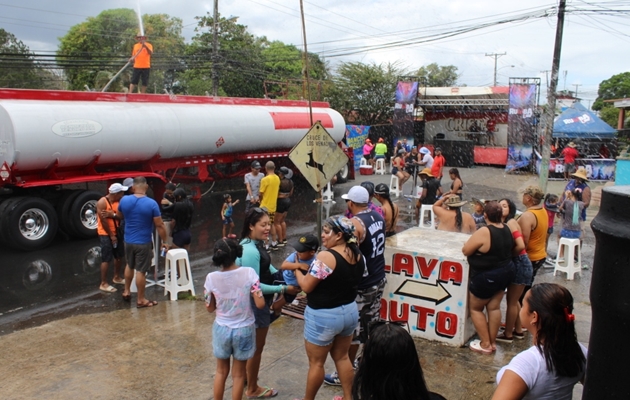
x=163, y=252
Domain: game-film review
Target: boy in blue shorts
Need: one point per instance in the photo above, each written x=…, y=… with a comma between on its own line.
x=305, y=248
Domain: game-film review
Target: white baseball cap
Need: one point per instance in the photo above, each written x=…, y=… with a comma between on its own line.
x=357, y=194
x=117, y=188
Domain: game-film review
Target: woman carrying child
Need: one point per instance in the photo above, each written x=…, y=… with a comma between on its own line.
x=233, y=334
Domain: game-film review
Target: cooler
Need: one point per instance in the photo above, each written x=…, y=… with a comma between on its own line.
x=427, y=285
x=366, y=170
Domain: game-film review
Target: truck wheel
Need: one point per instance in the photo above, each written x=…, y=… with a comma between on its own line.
x=28, y=223
x=83, y=215
x=342, y=175
x=63, y=209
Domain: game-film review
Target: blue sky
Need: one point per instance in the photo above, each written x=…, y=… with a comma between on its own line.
x=348, y=30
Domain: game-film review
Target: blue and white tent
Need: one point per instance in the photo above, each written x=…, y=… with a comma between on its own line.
x=576, y=122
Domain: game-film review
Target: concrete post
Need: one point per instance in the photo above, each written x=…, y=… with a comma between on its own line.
x=609, y=348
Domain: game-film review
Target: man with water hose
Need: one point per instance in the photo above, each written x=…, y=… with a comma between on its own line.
x=141, y=58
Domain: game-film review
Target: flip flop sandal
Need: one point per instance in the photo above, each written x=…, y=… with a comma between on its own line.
x=149, y=303
x=108, y=289
x=475, y=346
x=126, y=298
x=120, y=282
x=267, y=393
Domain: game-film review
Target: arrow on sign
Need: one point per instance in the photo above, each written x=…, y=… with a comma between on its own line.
x=424, y=291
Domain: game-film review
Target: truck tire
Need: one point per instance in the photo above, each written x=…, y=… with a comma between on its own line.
x=342, y=175
x=28, y=223
x=83, y=215
x=63, y=209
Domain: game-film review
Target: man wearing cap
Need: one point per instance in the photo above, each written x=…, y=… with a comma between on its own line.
x=370, y=232
x=427, y=160
x=579, y=182
x=534, y=223
x=252, y=183
x=448, y=210
x=128, y=182
x=570, y=154
x=269, y=189
x=438, y=163
x=141, y=58
x=141, y=214
x=107, y=228
x=431, y=189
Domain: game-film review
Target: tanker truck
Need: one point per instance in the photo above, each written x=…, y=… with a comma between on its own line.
x=52, y=142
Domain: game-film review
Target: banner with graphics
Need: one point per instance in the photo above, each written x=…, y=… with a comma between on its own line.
x=522, y=122
x=597, y=169
x=355, y=138
x=406, y=94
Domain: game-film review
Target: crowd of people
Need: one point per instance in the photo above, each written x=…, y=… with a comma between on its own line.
x=345, y=282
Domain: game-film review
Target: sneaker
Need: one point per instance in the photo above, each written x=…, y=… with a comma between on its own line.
x=503, y=338
x=519, y=336
x=332, y=379
x=274, y=247
x=282, y=243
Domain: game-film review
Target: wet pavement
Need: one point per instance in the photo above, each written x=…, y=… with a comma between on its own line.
x=67, y=339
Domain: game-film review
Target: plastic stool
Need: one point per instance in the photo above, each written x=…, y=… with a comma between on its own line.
x=394, y=184
x=566, y=263
x=364, y=162
x=380, y=166
x=177, y=259
x=423, y=209
x=328, y=194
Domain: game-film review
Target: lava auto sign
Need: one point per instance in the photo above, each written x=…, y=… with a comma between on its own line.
x=426, y=289
x=318, y=157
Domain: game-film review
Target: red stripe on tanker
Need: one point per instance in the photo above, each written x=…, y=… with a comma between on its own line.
x=35, y=133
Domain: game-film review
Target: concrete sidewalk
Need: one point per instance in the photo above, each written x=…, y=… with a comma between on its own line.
x=165, y=352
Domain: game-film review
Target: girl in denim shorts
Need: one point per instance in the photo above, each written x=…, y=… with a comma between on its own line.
x=228, y=292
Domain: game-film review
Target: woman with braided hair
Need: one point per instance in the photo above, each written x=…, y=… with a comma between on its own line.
x=451, y=218
x=227, y=292
x=557, y=361
x=381, y=193
x=331, y=314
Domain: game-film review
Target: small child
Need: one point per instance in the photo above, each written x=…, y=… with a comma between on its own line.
x=233, y=333
x=478, y=205
x=226, y=213
x=551, y=206
x=305, y=249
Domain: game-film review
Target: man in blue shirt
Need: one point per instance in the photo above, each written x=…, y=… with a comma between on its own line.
x=141, y=214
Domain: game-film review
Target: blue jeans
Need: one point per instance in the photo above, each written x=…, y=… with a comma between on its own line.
x=322, y=325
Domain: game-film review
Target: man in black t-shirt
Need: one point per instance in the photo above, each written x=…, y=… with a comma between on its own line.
x=183, y=210
x=431, y=189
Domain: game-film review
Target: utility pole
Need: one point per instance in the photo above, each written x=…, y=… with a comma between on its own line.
x=496, y=56
x=215, y=49
x=576, y=88
x=551, y=100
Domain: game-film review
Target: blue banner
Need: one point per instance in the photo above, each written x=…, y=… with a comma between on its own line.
x=521, y=125
x=355, y=138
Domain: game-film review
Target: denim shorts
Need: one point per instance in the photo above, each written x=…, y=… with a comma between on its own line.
x=323, y=325
x=237, y=342
x=565, y=233
x=262, y=316
x=486, y=284
x=524, y=270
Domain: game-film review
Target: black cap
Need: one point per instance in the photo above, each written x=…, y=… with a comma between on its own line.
x=256, y=165
x=306, y=243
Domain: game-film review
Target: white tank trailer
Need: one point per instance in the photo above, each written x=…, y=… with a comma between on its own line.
x=49, y=138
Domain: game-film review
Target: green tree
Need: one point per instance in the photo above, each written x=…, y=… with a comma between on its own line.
x=240, y=64
x=18, y=69
x=615, y=87
x=103, y=44
x=365, y=92
x=438, y=76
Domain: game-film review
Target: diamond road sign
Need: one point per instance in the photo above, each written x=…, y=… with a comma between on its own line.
x=318, y=157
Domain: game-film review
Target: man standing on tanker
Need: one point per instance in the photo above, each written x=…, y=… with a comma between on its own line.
x=141, y=57
x=141, y=213
x=370, y=232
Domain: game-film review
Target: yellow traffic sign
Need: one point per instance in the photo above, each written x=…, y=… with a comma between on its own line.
x=318, y=157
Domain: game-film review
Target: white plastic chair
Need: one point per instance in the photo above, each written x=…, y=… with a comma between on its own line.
x=364, y=162
x=566, y=263
x=328, y=194
x=394, y=186
x=380, y=166
x=177, y=259
x=424, y=208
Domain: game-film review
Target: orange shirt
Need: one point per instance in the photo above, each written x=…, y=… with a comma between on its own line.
x=438, y=164
x=110, y=221
x=142, y=60
x=537, y=245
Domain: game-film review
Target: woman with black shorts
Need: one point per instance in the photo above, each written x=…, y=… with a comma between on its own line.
x=283, y=204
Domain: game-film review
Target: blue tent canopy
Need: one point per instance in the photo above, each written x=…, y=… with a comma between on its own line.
x=576, y=122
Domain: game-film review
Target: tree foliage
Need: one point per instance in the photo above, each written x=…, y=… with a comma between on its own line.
x=103, y=44
x=17, y=67
x=438, y=76
x=615, y=87
x=365, y=91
